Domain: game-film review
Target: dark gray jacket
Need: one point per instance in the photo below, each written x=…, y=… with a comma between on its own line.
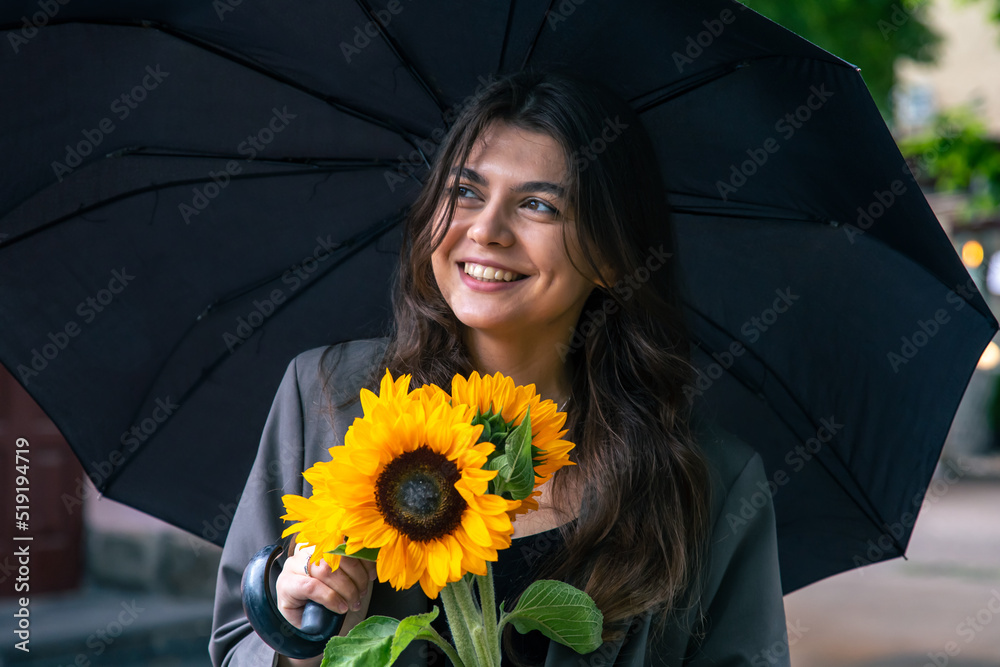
x=742, y=591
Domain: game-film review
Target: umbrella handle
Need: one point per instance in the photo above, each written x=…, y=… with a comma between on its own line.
x=318, y=622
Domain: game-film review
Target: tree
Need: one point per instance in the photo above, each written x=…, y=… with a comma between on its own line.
x=870, y=34
x=955, y=155
x=995, y=15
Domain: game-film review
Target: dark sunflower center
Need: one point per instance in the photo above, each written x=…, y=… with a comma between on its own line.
x=416, y=495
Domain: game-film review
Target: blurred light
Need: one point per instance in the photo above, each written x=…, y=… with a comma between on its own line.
x=990, y=358
x=993, y=274
x=972, y=254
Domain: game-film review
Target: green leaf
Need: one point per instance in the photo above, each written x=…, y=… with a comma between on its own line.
x=412, y=628
x=560, y=612
x=494, y=430
x=365, y=553
x=517, y=471
x=368, y=644
x=487, y=432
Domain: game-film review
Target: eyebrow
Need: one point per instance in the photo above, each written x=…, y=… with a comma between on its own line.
x=553, y=189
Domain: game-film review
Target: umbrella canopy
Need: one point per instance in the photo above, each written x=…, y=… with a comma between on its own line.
x=202, y=191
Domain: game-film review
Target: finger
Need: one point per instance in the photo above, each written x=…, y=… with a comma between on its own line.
x=305, y=552
x=350, y=580
x=294, y=590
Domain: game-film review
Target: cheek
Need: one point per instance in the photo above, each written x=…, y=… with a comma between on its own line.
x=440, y=257
x=437, y=266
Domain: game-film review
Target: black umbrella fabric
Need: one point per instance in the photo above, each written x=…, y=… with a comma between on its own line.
x=202, y=191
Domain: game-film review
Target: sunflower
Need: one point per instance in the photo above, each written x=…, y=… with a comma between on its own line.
x=496, y=395
x=408, y=481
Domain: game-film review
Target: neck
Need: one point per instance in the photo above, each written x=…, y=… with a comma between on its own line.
x=530, y=359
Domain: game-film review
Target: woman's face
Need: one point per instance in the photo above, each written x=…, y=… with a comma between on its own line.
x=507, y=225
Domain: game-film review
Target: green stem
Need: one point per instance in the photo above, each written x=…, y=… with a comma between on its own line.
x=460, y=628
x=488, y=597
x=474, y=620
x=483, y=650
x=442, y=643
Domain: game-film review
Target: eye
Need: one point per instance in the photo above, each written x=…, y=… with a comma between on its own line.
x=535, y=204
x=462, y=189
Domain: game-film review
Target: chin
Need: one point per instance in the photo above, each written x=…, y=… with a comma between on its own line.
x=483, y=322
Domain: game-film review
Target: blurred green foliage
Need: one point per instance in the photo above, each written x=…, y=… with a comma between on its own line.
x=995, y=15
x=957, y=155
x=870, y=34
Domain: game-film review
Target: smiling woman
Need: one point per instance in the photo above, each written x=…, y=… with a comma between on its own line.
x=510, y=191
x=509, y=221
x=532, y=217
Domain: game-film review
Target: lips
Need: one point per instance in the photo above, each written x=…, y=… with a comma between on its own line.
x=490, y=274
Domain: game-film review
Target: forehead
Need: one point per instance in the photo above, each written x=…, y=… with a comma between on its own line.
x=517, y=152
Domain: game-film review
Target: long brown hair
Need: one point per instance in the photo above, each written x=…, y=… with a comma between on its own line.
x=638, y=542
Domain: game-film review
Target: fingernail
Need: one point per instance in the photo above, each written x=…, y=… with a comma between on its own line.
x=357, y=605
x=342, y=609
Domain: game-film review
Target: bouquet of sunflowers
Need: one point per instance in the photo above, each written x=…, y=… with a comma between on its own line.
x=427, y=485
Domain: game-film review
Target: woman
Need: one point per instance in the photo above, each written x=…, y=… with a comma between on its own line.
x=540, y=247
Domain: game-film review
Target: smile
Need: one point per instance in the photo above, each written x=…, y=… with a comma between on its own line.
x=488, y=274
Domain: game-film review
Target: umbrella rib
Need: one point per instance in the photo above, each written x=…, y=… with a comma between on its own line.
x=400, y=56
x=351, y=247
x=538, y=35
x=752, y=216
x=159, y=186
x=246, y=62
x=652, y=99
x=506, y=35
x=869, y=509
x=161, y=151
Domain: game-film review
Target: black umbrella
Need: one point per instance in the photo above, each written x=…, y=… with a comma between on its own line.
x=201, y=191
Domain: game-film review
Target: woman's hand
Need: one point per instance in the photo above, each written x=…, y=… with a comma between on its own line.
x=346, y=590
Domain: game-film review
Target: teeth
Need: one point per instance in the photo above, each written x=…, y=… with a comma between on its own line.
x=489, y=274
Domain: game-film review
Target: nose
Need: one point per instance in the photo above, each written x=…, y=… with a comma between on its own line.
x=491, y=225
